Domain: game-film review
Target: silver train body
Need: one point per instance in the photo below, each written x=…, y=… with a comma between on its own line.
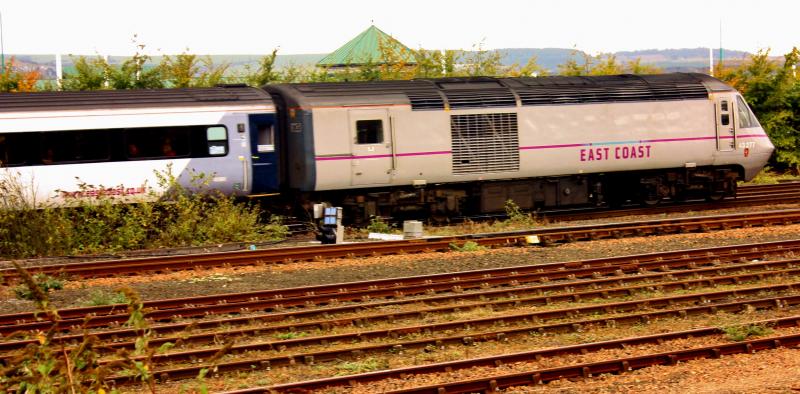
x=423, y=148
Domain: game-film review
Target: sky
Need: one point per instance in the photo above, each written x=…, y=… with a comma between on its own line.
x=89, y=27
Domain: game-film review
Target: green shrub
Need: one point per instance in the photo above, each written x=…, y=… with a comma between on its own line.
x=377, y=225
x=516, y=216
x=469, y=246
x=196, y=215
x=43, y=281
x=744, y=332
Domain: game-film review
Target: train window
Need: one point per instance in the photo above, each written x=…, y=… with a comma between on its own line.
x=725, y=119
x=746, y=117
x=157, y=142
x=369, y=131
x=266, y=138
x=217, y=137
x=10, y=152
x=723, y=106
x=74, y=146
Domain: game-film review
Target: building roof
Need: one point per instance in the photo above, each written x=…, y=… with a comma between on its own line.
x=365, y=48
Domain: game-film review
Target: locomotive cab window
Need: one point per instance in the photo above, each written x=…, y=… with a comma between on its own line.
x=369, y=131
x=217, y=137
x=746, y=117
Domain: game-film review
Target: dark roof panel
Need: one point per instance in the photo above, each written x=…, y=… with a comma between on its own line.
x=144, y=98
x=484, y=92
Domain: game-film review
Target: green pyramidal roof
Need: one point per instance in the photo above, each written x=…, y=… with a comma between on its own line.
x=366, y=48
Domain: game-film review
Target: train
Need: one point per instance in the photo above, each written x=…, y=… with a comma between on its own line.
x=430, y=148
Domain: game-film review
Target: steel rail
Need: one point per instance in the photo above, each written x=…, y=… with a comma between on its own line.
x=494, y=361
x=744, y=272
x=397, y=287
x=270, y=256
x=196, y=356
x=587, y=370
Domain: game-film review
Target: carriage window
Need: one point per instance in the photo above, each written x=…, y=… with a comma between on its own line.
x=217, y=140
x=369, y=131
x=266, y=138
x=74, y=146
x=160, y=142
x=10, y=153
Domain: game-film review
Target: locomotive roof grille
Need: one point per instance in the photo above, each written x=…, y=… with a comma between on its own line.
x=107, y=99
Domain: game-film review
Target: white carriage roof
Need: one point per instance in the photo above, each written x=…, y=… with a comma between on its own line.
x=486, y=92
x=143, y=98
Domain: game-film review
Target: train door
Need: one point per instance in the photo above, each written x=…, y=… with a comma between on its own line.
x=264, y=153
x=726, y=133
x=371, y=145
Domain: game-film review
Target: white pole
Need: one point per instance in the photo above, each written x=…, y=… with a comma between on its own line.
x=711, y=61
x=59, y=70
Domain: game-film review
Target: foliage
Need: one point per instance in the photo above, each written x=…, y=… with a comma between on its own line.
x=266, y=71
x=355, y=367
x=377, y=225
x=100, y=297
x=469, y=246
x=89, y=75
x=773, y=92
x=49, y=366
x=769, y=176
x=744, y=332
x=184, y=216
x=516, y=216
x=16, y=79
x=45, y=283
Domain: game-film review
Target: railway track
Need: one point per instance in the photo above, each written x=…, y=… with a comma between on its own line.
x=316, y=252
x=491, y=298
x=401, y=287
x=494, y=382
x=693, y=269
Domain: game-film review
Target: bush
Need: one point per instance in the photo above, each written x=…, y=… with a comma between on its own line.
x=744, y=332
x=182, y=217
x=43, y=281
x=469, y=246
x=377, y=225
x=516, y=216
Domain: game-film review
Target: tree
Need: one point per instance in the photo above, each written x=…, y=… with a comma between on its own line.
x=266, y=71
x=89, y=75
x=15, y=79
x=773, y=93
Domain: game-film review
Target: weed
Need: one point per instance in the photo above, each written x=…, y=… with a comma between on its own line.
x=516, y=216
x=469, y=246
x=289, y=335
x=100, y=297
x=743, y=332
x=44, y=282
x=377, y=225
x=355, y=367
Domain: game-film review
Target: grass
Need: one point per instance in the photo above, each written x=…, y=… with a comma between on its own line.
x=767, y=176
x=101, y=297
x=744, y=332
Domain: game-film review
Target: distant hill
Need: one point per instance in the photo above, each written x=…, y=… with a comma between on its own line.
x=686, y=59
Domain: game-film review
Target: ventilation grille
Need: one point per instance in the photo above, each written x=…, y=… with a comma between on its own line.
x=480, y=98
x=425, y=100
x=598, y=94
x=485, y=143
